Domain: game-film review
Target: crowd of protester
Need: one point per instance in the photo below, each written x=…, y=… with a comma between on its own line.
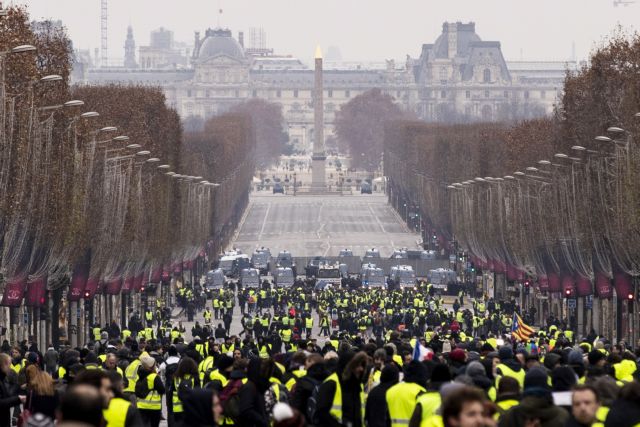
x=334, y=357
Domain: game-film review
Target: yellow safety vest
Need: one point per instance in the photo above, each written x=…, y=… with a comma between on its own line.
x=153, y=400
x=434, y=421
x=336, y=406
x=126, y=334
x=132, y=375
x=624, y=370
x=264, y=352
x=96, y=333
x=175, y=334
x=429, y=402
x=149, y=315
x=16, y=368
x=505, y=405
x=200, y=349
x=205, y=365
x=508, y=372
x=177, y=403
x=116, y=414
x=216, y=375
x=308, y=322
x=401, y=400
x=148, y=333
x=286, y=335
x=227, y=349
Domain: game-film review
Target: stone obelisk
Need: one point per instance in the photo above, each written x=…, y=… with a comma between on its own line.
x=318, y=173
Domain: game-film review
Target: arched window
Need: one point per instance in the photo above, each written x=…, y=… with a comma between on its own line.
x=486, y=78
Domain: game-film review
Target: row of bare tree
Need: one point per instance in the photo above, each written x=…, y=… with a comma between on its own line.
x=101, y=176
x=555, y=197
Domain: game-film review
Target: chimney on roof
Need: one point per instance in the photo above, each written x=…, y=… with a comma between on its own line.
x=241, y=38
x=452, y=39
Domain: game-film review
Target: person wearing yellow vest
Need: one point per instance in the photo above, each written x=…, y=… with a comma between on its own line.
x=509, y=366
x=184, y=379
x=111, y=364
x=341, y=399
x=131, y=374
x=428, y=403
x=149, y=391
x=508, y=394
x=120, y=411
x=402, y=397
x=285, y=334
x=148, y=315
x=96, y=331
x=308, y=325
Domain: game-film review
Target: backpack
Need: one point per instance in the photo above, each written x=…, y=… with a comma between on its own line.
x=312, y=402
x=270, y=396
x=142, y=388
x=230, y=399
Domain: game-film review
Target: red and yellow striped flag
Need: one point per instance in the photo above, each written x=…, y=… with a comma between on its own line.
x=520, y=330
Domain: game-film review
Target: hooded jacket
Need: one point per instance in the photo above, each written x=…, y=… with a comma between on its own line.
x=198, y=410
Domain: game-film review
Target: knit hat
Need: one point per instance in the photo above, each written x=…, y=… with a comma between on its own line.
x=563, y=378
x=416, y=372
x=390, y=374
x=440, y=374
x=39, y=420
x=148, y=362
x=457, y=355
x=536, y=378
x=595, y=356
x=475, y=369
x=224, y=362
x=575, y=357
x=505, y=353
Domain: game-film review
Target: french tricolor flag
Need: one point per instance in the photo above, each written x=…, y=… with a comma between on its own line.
x=421, y=352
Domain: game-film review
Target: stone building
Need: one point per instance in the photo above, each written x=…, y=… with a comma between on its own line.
x=457, y=78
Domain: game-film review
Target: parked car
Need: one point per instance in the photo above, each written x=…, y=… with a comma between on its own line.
x=278, y=188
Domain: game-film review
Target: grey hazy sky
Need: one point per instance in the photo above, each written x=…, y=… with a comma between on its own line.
x=362, y=29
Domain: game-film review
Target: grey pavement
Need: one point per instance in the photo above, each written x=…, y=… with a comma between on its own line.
x=322, y=225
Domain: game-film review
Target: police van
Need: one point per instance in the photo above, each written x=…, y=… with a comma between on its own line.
x=372, y=276
x=250, y=278
x=232, y=263
x=214, y=280
x=261, y=259
x=441, y=278
x=403, y=276
x=330, y=273
x=283, y=277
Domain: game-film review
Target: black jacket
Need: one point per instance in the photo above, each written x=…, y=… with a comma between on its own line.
x=304, y=387
x=351, y=409
x=8, y=399
x=252, y=412
x=376, y=412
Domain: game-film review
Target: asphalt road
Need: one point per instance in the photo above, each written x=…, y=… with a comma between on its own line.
x=322, y=225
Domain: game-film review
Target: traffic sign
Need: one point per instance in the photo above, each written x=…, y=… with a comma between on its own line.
x=589, y=302
x=571, y=303
x=452, y=259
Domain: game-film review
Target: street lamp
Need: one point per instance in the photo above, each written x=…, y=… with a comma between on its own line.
x=121, y=138
x=133, y=146
x=51, y=78
x=89, y=114
x=74, y=103
x=23, y=48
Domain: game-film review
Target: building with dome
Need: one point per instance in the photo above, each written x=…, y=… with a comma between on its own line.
x=459, y=77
